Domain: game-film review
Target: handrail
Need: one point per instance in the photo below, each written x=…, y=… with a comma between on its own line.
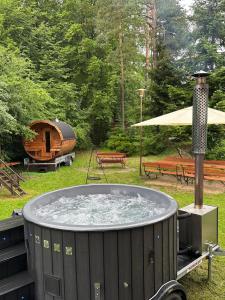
x=12, y=185
x=9, y=168
x=10, y=178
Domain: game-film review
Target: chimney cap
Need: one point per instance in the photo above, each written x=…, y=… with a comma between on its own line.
x=200, y=74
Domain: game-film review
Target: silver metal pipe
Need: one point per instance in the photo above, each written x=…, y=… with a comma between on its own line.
x=199, y=132
x=199, y=180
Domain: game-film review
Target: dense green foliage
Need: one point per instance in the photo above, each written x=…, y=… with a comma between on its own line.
x=82, y=61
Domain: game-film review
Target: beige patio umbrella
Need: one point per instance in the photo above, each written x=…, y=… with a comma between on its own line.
x=183, y=117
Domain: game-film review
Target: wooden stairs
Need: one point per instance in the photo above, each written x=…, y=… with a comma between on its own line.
x=10, y=179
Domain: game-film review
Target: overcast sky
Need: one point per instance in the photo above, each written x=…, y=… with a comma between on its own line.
x=186, y=3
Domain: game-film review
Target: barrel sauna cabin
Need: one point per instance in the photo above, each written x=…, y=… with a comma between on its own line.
x=53, y=139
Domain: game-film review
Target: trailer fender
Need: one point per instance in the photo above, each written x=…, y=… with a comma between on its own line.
x=170, y=290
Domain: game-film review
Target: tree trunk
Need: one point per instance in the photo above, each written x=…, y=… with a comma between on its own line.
x=122, y=77
x=154, y=29
x=151, y=32
x=147, y=37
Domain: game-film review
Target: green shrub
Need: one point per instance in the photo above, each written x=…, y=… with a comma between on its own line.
x=156, y=140
x=153, y=144
x=218, y=152
x=83, y=137
x=126, y=142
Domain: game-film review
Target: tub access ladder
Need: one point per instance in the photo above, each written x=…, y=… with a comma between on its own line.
x=10, y=179
x=15, y=281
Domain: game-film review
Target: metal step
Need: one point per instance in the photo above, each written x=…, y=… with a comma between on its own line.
x=12, y=252
x=13, y=265
x=11, y=223
x=11, y=232
x=19, y=286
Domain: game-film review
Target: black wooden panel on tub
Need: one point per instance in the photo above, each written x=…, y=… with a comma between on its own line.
x=124, y=251
x=57, y=259
x=172, y=248
x=149, y=262
x=97, y=266
x=137, y=237
x=47, y=263
x=158, y=245
x=30, y=246
x=83, y=267
x=166, y=259
x=70, y=274
x=111, y=266
x=38, y=262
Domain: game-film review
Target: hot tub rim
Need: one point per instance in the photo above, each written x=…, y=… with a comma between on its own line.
x=98, y=228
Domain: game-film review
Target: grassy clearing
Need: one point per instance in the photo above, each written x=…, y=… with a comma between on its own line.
x=37, y=183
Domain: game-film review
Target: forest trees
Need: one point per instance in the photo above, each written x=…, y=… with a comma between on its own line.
x=82, y=61
x=209, y=33
x=119, y=27
x=21, y=98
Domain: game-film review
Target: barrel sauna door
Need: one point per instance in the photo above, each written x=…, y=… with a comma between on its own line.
x=47, y=141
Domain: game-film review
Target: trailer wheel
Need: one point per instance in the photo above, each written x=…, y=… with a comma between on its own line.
x=69, y=162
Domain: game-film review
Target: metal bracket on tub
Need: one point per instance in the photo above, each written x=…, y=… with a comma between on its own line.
x=213, y=251
x=219, y=252
x=97, y=286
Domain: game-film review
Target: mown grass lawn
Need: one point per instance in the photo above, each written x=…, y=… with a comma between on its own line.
x=37, y=183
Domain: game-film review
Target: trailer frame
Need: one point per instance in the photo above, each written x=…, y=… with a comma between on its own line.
x=52, y=165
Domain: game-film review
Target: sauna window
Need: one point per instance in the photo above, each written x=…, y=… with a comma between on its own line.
x=47, y=141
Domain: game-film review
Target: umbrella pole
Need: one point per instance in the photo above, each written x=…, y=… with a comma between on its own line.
x=141, y=152
x=141, y=94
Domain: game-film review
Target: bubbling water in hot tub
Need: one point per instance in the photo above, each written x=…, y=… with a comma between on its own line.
x=100, y=209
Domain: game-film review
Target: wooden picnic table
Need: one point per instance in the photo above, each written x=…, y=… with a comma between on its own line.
x=111, y=158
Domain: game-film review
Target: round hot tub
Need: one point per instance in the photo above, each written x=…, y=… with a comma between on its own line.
x=101, y=242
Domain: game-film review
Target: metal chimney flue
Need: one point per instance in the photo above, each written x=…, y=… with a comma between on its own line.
x=199, y=132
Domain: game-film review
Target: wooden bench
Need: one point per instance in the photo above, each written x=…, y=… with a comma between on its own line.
x=111, y=158
x=158, y=168
x=188, y=173
x=151, y=168
x=173, y=159
x=214, y=174
x=210, y=173
x=178, y=159
x=184, y=169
